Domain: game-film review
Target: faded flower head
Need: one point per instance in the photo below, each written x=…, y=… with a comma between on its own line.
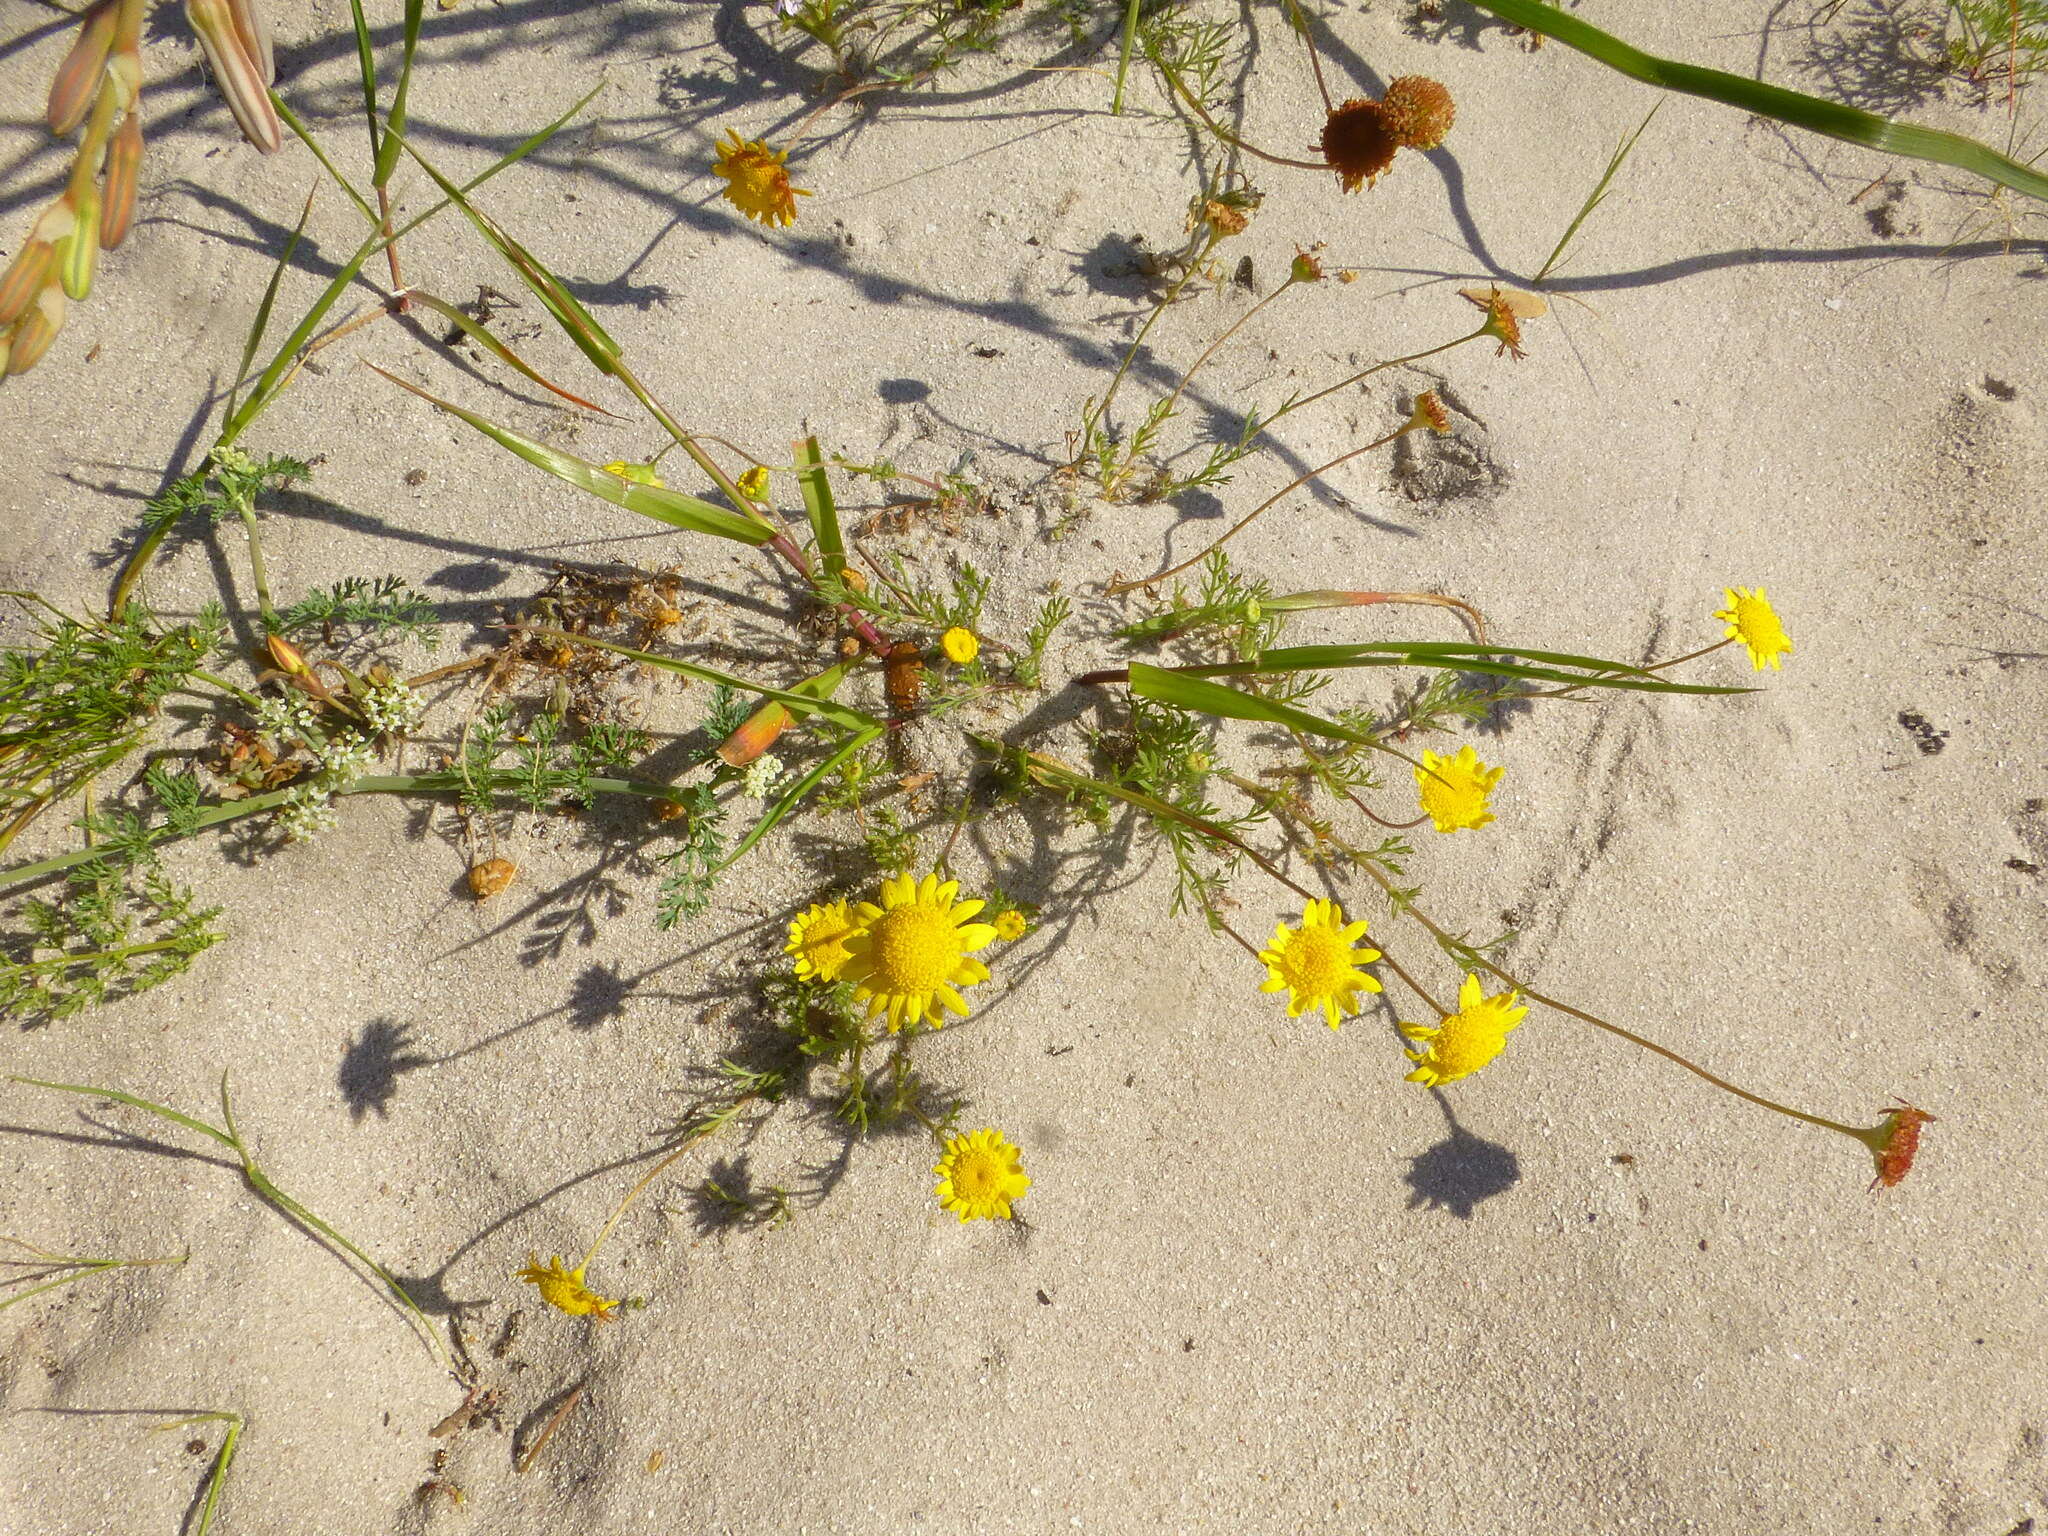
x=1453, y=790
x=564, y=1290
x=817, y=939
x=1751, y=619
x=912, y=954
x=286, y=717
x=1468, y=1039
x=757, y=180
x=1317, y=965
x=1225, y=214
x=1356, y=143
x=1011, y=926
x=1428, y=411
x=1894, y=1141
x=979, y=1175
x=345, y=758
x=390, y=708
x=1417, y=111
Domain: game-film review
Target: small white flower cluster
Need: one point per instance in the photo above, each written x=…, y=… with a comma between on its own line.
x=392, y=709
x=308, y=811
x=345, y=758
x=760, y=778
x=286, y=718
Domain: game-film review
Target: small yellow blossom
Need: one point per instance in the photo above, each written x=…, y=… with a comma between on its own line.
x=757, y=180
x=960, y=645
x=1316, y=964
x=1468, y=1039
x=564, y=1290
x=818, y=940
x=753, y=484
x=639, y=474
x=1751, y=619
x=1454, y=789
x=913, y=953
x=980, y=1175
x=1010, y=926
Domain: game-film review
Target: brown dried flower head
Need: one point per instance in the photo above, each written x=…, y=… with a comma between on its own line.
x=1219, y=216
x=490, y=877
x=1305, y=268
x=1417, y=111
x=1429, y=412
x=1356, y=143
x=1894, y=1141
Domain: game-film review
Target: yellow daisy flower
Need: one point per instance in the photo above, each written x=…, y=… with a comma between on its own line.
x=1751, y=619
x=1011, y=926
x=757, y=181
x=913, y=952
x=961, y=645
x=1316, y=964
x=1468, y=1039
x=980, y=1175
x=818, y=940
x=564, y=1290
x=1454, y=789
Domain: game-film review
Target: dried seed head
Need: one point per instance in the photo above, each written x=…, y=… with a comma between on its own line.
x=1223, y=216
x=1417, y=111
x=670, y=810
x=1894, y=1141
x=1429, y=412
x=490, y=877
x=1305, y=268
x=1356, y=143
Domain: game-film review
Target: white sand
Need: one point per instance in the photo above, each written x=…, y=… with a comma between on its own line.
x=1232, y=1309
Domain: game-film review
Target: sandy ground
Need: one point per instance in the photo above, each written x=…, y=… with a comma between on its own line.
x=1264, y=1284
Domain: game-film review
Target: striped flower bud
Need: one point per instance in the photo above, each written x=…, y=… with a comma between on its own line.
x=36, y=330
x=78, y=77
x=124, y=160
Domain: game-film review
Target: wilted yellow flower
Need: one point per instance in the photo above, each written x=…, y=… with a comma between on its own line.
x=1417, y=111
x=564, y=1290
x=1468, y=1039
x=818, y=940
x=980, y=1175
x=1316, y=964
x=1356, y=143
x=1454, y=789
x=1751, y=619
x=960, y=645
x=1011, y=926
x=911, y=954
x=757, y=181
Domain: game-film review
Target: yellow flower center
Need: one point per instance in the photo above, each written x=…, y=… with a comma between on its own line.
x=976, y=1175
x=1316, y=962
x=1758, y=625
x=1465, y=1044
x=916, y=949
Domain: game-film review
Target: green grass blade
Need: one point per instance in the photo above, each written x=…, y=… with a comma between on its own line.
x=262, y=321
x=561, y=305
x=292, y=121
x=1598, y=195
x=800, y=704
x=497, y=348
x=128, y=1098
x=1813, y=113
x=221, y=1462
x=1207, y=698
x=85, y=1272
x=690, y=513
x=820, y=507
x=790, y=798
x=366, y=60
x=1491, y=660
x=387, y=153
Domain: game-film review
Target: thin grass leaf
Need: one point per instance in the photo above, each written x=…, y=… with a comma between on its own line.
x=387, y=154
x=366, y=61
x=819, y=506
x=262, y=321
x=789, y=799
x=590, y=337
x=678, y=510
x=1598, y=195
x=483, y=338
x=221, y=1461
x=800, y=704
x=128, y=1098
x=293, y=121
x=1193, y=693
x=1853, y=125
x=1447, y=655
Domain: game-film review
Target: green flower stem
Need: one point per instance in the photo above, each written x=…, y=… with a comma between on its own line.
x=656, y=1172
x=222, y=812
x=1208, y=352
x=1303, y=602
x=1244, y=522
x=1195, y=106
x=1452, y=945
x=1123, y=60
x=1095, y=415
